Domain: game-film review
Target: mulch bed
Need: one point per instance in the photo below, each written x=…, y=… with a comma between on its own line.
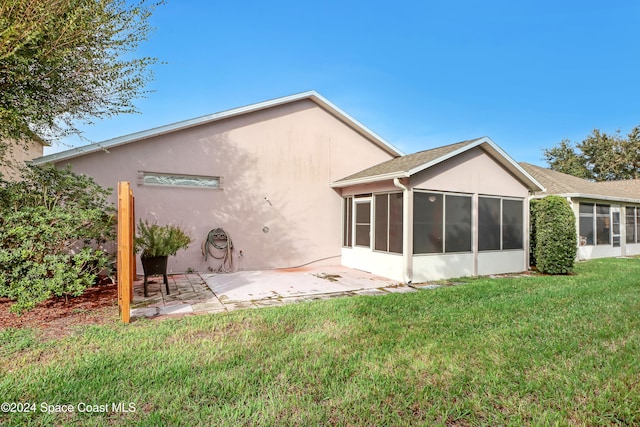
x=97, y=305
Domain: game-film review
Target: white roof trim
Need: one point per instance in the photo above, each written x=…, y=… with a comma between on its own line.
x=369, y=179
x=138, y=136
x=589, y=197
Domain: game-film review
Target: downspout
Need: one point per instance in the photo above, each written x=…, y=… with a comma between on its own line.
x=527, y=231
x=407, y=244
x=577, y=216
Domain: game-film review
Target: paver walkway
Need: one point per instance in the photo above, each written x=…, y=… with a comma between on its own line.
x=215, y=293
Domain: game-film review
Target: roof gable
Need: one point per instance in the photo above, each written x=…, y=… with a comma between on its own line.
x=406, y=166
x=185, y=124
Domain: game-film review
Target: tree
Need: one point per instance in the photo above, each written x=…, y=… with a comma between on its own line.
x=69, y=61
x=599, y=157
x=564, y=158
x=53, y=227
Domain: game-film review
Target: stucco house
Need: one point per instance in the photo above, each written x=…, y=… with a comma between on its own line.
x=296, y=180
x=607, y=213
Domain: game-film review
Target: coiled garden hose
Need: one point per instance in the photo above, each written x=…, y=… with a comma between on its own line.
x=219, y=240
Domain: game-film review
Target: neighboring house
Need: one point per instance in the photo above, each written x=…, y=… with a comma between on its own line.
x=284, y=177
x=607, y=213
x=14, y=155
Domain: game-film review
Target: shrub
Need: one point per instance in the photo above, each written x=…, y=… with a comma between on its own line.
x=53, y=224
x=555, y=235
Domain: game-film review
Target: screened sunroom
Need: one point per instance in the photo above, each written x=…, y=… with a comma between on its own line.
x=459, y=210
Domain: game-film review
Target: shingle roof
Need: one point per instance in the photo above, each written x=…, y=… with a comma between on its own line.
x=404, y=164
x=628, y=186
x=567, y=185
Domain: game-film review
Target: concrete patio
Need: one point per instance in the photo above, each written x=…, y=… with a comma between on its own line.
x=215, y=293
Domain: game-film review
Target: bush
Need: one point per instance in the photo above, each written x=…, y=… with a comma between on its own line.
x=555, y=235
x=53, y=224
x=160, y=240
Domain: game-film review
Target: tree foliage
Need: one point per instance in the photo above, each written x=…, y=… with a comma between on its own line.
x=599, y=157
x=64, y=61
x=53, y=225
x=553, y=237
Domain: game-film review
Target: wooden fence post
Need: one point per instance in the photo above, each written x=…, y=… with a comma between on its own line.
x=132, y=228
x=125, y=250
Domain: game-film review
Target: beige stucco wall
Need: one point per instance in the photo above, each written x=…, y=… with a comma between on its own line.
x=16, y=154
x=473, y=171
x=276, y=165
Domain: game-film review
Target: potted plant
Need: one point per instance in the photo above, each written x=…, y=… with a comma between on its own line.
x=155, y=243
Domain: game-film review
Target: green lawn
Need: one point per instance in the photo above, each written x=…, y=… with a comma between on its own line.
x=508, y=351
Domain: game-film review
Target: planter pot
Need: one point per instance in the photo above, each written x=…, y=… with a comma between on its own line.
x=155, y=266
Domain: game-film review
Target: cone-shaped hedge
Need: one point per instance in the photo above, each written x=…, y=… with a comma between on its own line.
x=553, y=235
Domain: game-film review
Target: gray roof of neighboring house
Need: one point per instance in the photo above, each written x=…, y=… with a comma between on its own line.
x=629, y=186
x=138, y=136
x=567, y=185
x=408, y=165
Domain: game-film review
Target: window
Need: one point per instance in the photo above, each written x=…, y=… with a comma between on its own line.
x=395, y=222
x=173, y=180
x=381, y=222
x=603, y=227
x=595, y=224
x=363, y=223
x=441, y=223
x=347, y=218
x=388, y=222
x=488, y=224
x=427, y=223
x=512, y=224
x=630, y=223
x=586, y=225
x=457, y=236
x=500, y=224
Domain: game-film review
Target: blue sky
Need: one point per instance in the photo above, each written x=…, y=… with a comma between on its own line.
x=419, y=73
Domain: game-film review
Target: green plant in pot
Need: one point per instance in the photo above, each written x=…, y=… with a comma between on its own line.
x=155, y=243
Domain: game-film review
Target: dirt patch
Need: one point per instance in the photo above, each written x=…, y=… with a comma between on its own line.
x=97, y=305
x=329, y=277
x=292, y=269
